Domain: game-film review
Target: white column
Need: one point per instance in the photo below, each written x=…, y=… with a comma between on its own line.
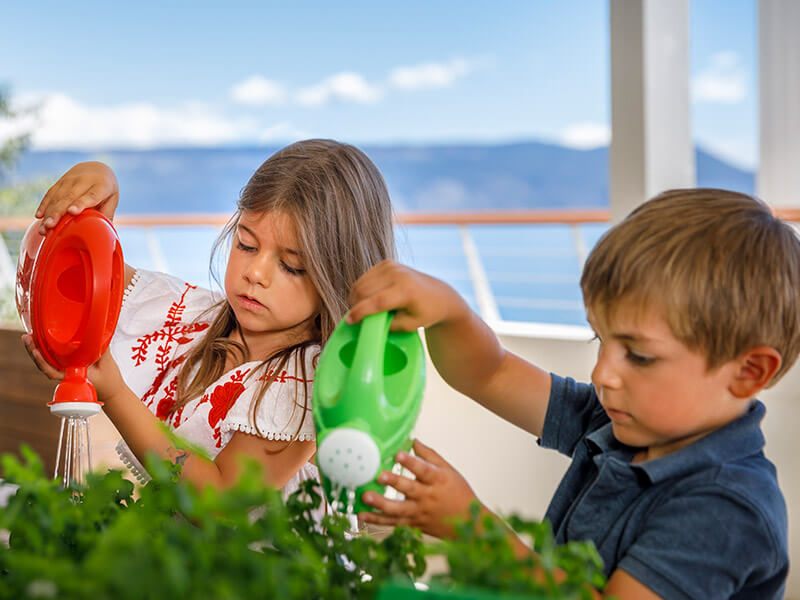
x=779, y=95
x=651, y=142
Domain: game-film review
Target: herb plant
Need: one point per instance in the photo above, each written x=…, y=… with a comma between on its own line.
x=169, y=540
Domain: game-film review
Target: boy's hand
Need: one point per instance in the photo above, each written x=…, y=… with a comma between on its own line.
x=420, y=300
x=86, y=185
x=437, y=497
x=104, y=374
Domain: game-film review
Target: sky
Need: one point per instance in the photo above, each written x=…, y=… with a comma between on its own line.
x=98, y=75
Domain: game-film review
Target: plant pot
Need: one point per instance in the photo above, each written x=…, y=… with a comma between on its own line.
x=401, y=591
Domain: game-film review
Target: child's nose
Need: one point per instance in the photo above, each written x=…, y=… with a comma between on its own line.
x=604, y=375
x=259, y=272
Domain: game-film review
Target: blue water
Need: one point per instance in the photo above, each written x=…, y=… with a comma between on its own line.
x=432, y=178
x=532, y=270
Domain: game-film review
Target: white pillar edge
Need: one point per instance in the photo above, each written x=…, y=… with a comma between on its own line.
x=651, y=143
x=778, y=178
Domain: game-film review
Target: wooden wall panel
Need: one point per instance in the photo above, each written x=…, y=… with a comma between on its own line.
x=24, y=394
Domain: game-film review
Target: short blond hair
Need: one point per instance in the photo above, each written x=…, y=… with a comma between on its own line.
x=722, y=267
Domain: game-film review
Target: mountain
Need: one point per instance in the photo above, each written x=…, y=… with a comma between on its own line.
x=527, y=175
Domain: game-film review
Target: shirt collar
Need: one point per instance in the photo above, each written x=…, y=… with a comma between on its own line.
x=738, y=439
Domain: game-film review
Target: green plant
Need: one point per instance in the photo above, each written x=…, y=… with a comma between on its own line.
x=482, y=556
x=170, y=540
x=12, y=147
x=18, y=199
x=173, y=541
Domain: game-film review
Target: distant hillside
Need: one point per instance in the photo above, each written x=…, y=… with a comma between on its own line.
x=420, y=178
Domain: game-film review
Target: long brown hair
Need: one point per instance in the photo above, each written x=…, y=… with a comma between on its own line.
x=342, y=213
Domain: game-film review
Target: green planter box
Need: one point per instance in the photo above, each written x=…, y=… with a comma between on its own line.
x=405, y=592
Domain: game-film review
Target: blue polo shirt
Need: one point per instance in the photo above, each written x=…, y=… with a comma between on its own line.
x=705, y=522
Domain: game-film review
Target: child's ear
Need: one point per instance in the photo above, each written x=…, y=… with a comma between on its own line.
x=755, y=370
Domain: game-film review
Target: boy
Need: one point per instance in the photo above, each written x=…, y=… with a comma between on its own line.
x=694, y=299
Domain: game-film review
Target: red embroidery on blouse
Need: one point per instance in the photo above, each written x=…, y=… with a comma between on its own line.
x=222, y=399
x=177, y=417
x=168, y=401
x=148, y=396
x=283, y=377
x=171, y=332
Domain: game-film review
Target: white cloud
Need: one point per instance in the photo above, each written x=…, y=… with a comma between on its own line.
x=282, y=132
x=723, y=81
x=62, y=122
x=584, y=136
x=346, y=86
x=258, y=91
x=428, y=75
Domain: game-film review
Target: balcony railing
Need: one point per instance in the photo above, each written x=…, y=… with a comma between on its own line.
x=518, y=269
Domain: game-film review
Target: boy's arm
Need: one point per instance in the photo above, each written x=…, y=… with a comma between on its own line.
x=464, y=350
x=623, y=586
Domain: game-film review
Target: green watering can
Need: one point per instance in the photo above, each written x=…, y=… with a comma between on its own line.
x=367, y=396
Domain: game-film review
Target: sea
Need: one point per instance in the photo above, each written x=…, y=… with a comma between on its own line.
x=511, y=273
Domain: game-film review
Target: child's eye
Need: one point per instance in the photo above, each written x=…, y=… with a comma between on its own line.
x=244, y=248
x=292, y=270
x=639, y=359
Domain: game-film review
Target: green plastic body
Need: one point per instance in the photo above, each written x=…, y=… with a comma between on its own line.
x=371, y=379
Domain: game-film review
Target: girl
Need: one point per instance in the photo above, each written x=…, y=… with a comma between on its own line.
x=232, y=374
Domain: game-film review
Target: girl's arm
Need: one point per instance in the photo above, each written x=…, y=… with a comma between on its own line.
x=144, y=433
x=464, y=350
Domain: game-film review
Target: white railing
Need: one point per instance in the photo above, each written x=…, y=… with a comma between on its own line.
x=486, y=302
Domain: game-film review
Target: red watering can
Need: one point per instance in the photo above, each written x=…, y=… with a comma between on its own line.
x=69, y=295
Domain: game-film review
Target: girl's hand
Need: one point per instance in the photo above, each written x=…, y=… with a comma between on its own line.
x=86, y=185
x=420, y=300
x=106, y=378
x=104, y=374
x=437, y=497
x=39, y=361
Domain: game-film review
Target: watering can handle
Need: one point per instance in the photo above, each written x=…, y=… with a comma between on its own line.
x=98, y=290
x=366, y=373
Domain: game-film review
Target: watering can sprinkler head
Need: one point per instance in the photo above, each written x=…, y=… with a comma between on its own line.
x=367, y=397
x=69, y=295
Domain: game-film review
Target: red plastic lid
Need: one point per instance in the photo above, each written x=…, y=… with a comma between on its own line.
x=69, y=292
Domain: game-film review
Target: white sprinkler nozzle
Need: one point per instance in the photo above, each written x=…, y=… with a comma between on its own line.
x=75, y=409
x=349, y=457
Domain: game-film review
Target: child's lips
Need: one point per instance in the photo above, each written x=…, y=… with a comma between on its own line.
x=617, y=416
x=250, y=303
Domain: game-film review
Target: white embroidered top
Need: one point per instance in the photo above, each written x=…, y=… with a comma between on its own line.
x=162, y=318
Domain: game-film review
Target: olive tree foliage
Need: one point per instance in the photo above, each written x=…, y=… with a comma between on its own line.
x=17, y=198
